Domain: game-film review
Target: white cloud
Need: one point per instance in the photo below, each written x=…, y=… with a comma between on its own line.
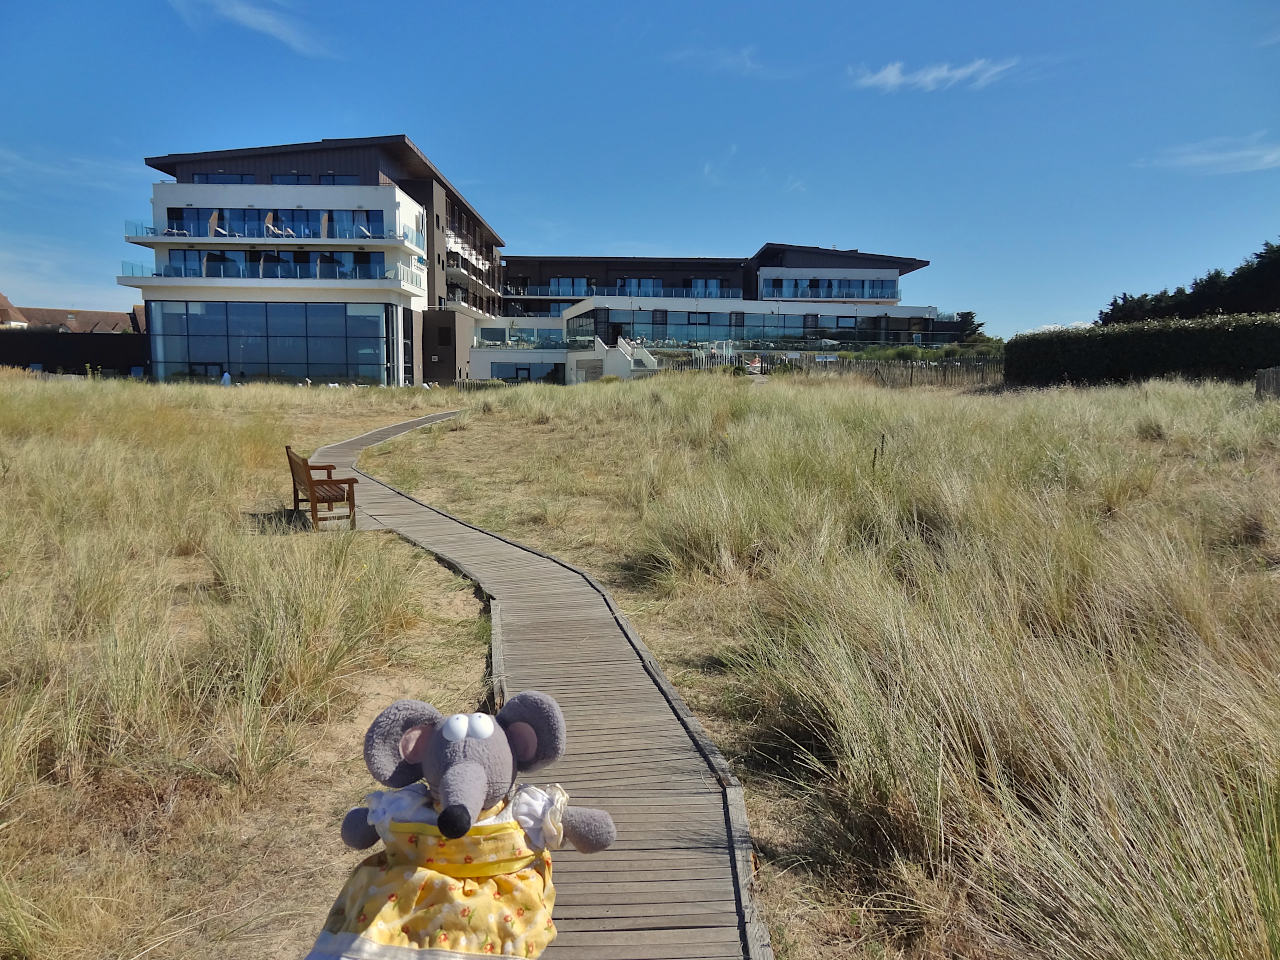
x=940, y=76
x=793, y=185
x=273, y=18
x=741, y=61
x=713, y=170
x=1270, y=41
x=1221, y=155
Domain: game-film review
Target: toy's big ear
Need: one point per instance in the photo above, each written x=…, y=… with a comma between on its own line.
x=535, y=729
x=382, y=744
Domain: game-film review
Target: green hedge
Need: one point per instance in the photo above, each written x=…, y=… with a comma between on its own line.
x=1229, y=347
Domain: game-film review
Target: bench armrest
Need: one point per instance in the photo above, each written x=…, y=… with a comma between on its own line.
x=321, y=466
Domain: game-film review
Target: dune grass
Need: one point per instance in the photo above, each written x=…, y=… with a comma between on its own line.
x=170, y=646
x=998, y=670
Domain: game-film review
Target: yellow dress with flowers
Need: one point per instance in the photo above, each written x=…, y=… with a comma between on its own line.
x=487, y=893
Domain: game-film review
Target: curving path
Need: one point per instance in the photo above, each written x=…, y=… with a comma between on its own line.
x=677, y=883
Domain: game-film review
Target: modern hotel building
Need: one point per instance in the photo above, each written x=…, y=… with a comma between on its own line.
x=355, y=260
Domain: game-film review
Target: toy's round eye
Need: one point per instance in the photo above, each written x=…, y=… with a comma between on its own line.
x=480, y=726
x=455, y=728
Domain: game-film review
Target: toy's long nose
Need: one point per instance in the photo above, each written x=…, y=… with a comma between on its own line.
x=461, y=792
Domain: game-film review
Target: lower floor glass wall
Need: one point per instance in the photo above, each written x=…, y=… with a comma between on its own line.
x=528, y=372
x=292, y=342
x=687, y=329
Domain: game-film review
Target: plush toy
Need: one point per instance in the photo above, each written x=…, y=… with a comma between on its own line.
x=466, y=867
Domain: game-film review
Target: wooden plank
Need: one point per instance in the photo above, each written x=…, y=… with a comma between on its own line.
x=556, y=629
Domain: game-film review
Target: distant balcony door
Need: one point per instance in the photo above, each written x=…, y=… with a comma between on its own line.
x=523, y=375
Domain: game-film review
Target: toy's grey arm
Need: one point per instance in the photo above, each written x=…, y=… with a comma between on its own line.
x=589, y=830
x=356, y=831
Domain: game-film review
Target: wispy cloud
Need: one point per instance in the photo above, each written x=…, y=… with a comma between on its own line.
x=33, y=271
x=939, y=76
x=793, y=184
x=1270, y=41
x=274, y=18
x=1220, y=155
x=740, y=61
x=106, y=173
x=713, y=170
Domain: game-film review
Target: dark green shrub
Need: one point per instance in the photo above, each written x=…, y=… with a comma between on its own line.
x=1230, y=347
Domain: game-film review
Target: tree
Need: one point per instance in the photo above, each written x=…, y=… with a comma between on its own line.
x=1253, y=287
x=970, y=327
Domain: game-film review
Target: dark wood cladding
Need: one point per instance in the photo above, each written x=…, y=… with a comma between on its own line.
x=370, y=164
x=375, y=160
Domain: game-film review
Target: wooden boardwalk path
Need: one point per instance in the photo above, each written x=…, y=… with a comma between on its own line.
x=678, y=881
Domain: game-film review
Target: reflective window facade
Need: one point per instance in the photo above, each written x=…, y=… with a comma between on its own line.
x=824, y=288
x=686, y=329
x=222, y=178
x=277, y=264
x=327, y=342
x=273, y=224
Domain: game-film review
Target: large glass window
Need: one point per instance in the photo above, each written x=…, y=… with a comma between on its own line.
x=364, y=320
x=291, y=179
x=222, y=178
x=207, y=349
x=286, y=319
x=167, y=317
x=207, y=319
x=327, y=349
x=339, y=179
x=326, y=320
x=287, y=349
x=201, y=341
x=568, y=286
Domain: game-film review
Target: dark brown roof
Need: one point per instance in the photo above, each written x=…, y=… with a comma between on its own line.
x=9, y=313
x=82, y=321
x=398, y=146
x=783, y=251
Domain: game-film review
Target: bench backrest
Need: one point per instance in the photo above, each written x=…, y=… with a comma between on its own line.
x=300, y=470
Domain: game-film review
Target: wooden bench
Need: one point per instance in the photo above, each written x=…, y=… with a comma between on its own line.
x=321, y=492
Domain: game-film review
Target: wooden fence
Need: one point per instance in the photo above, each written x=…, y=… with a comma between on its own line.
x=1266, y=383
x=953, y=372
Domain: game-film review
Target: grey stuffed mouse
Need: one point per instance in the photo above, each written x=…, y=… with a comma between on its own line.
x=466, y=866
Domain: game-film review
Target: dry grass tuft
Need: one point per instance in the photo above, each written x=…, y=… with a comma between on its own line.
x=169, y=651
x=998, y=670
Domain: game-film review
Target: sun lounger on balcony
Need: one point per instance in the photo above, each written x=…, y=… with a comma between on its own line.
x=364, y=233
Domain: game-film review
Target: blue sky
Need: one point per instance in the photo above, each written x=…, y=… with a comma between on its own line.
x=1044, y=157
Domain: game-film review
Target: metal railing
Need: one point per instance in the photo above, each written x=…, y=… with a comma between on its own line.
x=577, y=293
x=571, y=344
x=460, y=244
x=276, y=271
x=182, y=231
x=810, y=293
